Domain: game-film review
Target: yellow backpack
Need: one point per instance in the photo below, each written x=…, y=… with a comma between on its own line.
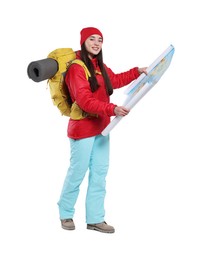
x=59, y=94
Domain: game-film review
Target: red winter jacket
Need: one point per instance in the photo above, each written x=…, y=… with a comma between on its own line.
x=97, y=102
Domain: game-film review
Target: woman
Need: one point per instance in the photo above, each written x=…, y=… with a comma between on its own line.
x=89, y=149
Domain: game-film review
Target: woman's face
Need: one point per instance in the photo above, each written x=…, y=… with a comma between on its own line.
x=93, y=44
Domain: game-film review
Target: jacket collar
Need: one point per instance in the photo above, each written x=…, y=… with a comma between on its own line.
x=94, y=60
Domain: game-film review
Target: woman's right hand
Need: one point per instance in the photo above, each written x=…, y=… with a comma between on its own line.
x=121, y=111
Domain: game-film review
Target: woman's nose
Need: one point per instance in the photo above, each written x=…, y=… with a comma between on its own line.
x=96, y=42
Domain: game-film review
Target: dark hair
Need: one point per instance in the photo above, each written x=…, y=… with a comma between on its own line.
x=92, y=80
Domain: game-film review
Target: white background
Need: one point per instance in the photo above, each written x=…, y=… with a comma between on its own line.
x=152, y=194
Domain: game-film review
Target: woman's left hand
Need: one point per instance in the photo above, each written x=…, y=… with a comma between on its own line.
x=142, y=70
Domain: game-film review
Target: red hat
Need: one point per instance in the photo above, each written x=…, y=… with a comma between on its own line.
x=86, y=32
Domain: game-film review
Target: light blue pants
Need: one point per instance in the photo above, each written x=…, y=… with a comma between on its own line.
x=88, y=153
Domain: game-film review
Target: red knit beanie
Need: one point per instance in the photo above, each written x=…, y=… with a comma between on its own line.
x=86, y=32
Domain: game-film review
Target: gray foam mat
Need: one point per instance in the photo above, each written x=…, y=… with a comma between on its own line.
x=42, y=69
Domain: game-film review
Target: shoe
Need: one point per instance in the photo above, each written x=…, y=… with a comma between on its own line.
x=101, y=227
x=67, y=224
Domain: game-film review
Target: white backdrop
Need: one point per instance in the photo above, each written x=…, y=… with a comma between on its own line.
x=152, y=183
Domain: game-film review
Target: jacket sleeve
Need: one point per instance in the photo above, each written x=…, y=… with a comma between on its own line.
x=80, y=92
x=122, y=79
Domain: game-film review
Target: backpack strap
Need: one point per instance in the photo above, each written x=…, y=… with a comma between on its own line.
x=76, y=112
x=80, y=62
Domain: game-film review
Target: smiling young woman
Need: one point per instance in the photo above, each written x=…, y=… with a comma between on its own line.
x=89, y=149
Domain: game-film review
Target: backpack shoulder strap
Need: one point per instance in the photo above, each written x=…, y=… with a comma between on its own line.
x=80, y=62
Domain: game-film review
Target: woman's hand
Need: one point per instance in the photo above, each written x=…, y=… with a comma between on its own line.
x=121, y=111
x=142, y=70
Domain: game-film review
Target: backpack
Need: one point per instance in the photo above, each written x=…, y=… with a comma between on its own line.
x=58, y=89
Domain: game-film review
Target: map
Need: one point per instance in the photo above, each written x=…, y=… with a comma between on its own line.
x=139, y=87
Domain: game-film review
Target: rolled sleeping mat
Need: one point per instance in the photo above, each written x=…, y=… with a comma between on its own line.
x=42, y=69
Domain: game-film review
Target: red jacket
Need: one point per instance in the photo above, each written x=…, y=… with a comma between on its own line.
x=97, y=102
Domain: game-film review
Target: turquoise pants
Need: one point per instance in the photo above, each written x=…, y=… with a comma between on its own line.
x=88, y=153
